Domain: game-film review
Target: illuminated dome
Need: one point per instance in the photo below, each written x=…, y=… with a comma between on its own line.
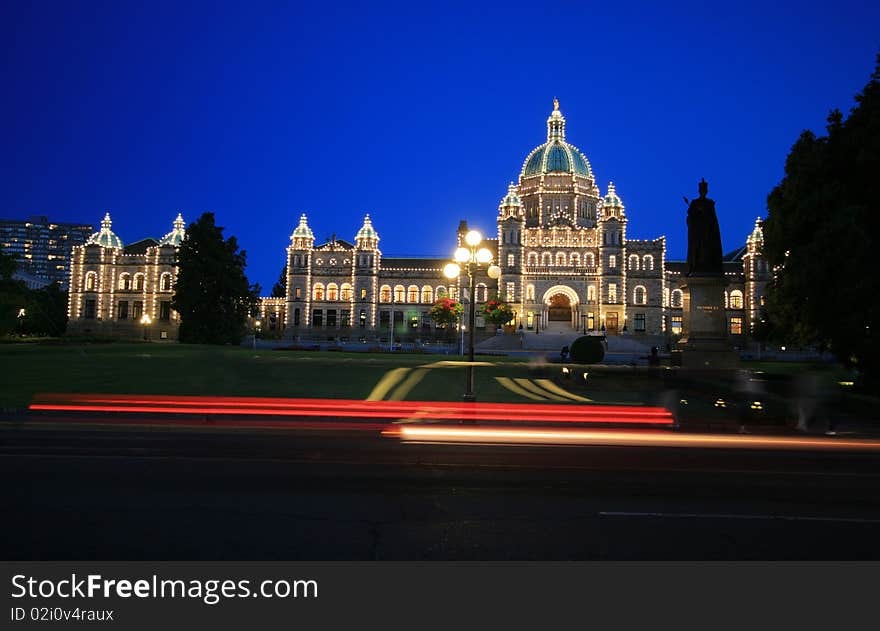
x=176, y=236
x=511, y=199
x=303, y=231
x=106, y=238
x=367, y=231
x=556, y=155
x=612, y=199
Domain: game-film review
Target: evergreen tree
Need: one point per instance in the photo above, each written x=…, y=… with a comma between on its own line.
x=212, y=294
x=279, y=289
x=13, y=295
x=46, y=311
x=821, y=238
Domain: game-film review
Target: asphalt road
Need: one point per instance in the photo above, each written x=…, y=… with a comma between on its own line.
x=169, y=493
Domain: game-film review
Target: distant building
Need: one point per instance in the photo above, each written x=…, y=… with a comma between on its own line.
x=124, y=291
x=42, y=248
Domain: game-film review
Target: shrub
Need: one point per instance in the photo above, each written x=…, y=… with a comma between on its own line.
x=587, y=350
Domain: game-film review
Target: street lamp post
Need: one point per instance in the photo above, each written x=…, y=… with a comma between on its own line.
x=257, y=324
x=471, y=257
x=584, y=318
x=146, y=320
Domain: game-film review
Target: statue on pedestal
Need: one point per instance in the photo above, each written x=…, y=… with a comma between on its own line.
x=704, y=235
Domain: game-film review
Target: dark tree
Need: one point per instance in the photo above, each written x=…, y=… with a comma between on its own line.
x=279, y=289
x=212, y=293
x=46, y=311
x=821, y=238
x=13, y=296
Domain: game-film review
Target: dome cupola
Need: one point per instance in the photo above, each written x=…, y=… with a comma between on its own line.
x=511, y=205
x=556, y=155
x=177, y=235
x=105, y=237
x=302, y=236
x=367, y=237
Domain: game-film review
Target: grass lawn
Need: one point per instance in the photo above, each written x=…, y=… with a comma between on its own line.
x=141, y=368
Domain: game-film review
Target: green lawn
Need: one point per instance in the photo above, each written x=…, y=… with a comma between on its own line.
x=120, y=368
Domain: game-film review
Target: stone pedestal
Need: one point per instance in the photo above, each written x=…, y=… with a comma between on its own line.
x=704, y=342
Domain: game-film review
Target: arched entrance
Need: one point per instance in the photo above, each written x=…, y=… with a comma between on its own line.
x=560, y=303
x=560, y=309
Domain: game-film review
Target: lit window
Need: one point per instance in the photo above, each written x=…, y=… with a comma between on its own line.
x=363, y=294
x=612, y=261
x=412, y=294
x=511, y=292
x=675, y=325
x=676, y=297
x=297, y=292
x=560, y=259
x=648, y=262
x=91, y=281
x=736, y=299
x=589, y=259
x=165, y=282
x=482, y=292
x=318, y=292
x=385, y=294
x=440, y=292
x=546, y=259
x=125, y=281
x=427, y=294
x=399, y=293
x=510, y=260
x=332, y=292
x=591, y=293
x=533, y=258
x=345, y=292
x=736, y=325
x=575, y=259
x=612, y=292
x=139, y=282
x=530, y=292
x=640, y=295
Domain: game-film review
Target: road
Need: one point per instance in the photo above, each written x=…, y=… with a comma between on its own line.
x=157, y=492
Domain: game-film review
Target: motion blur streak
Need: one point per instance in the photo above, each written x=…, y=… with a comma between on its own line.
x=520, y=436
x=343, y=408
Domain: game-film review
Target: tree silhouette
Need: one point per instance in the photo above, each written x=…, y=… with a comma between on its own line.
x=279, y=289
x=821, y=237
x=212, y=293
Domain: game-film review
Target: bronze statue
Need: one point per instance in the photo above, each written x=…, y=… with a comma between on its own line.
x=704, y=236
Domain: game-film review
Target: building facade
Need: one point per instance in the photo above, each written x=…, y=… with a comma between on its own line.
x=42, y=248
x=565, y=257
x=124, y=291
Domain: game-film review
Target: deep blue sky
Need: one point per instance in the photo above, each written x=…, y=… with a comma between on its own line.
x=418, y=115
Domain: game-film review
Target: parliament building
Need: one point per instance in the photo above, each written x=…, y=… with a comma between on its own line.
x=566, y=262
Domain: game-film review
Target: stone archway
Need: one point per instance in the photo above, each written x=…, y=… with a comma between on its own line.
x=560, y=302
x=560, y=309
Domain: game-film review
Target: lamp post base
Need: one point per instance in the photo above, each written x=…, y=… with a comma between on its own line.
x=469, y=396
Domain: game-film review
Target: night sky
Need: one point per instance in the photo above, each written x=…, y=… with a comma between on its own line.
x=418, y=115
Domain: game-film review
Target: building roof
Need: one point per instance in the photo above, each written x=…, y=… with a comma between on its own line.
x=140, y=247
x=426, y=263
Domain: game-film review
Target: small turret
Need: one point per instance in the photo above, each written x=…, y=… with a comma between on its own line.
x=367, y=238
x=511, y=205
x=177, y=234
x=105, y=237
x=302, y=238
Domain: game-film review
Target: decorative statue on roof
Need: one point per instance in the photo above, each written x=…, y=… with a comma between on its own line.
x=704, y=235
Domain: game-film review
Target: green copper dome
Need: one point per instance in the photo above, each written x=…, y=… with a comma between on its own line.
x=303, y=231
x=556, y=155
x=511, y=199
x=612, y=198
x=106, y=238
x=176, y=236
x=367, y=231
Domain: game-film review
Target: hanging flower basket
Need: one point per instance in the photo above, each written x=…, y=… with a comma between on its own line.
x=446, y=311
x=497, y=311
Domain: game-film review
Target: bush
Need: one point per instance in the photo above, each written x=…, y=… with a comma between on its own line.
x=587, y=350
